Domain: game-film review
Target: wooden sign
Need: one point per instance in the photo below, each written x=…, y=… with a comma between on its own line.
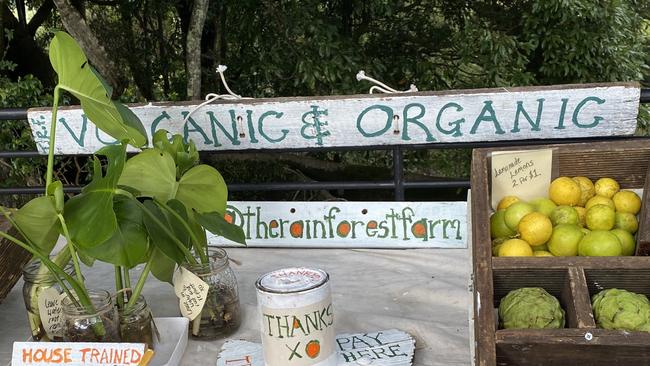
x=79, y=353
x=389, y=347
x=560, y=111
x=338, y=224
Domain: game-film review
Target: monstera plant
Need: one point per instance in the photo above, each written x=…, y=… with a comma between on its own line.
x=151, y=209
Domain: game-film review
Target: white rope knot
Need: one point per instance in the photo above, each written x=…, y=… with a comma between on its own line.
x=381, y=87
x=211, y=97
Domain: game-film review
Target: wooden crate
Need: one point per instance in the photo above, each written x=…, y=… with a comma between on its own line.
x=12, y=260
x=571, y=279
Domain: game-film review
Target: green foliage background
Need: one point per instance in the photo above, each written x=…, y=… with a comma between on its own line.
x=309, y=47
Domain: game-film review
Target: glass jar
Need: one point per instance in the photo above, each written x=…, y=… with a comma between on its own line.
x=101, y=326
x=220, y=316
x=38, y=278
x=136, y=323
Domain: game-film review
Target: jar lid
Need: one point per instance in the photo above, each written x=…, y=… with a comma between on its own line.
x=290, y=280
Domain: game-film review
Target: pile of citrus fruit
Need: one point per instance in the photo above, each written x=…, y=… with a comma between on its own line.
x=579, y=217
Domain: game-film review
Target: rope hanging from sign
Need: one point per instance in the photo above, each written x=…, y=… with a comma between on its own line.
x=381, y=87
x=211, y=97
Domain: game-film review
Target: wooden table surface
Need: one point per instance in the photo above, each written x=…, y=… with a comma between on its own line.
x=421, y=291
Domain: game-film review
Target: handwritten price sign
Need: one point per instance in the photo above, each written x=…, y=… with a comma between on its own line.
x=191, y=292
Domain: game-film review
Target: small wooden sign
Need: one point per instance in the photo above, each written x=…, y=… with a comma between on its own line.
x=79, y=353
x=339, y=224
x=558, y=111
x=388, y=347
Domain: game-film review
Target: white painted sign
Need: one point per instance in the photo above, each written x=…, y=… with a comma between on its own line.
x=337, y=224
x=560, y=111
x=78, y=353
x=389, y=347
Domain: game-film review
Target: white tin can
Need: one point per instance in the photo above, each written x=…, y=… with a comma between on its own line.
x=297, y=321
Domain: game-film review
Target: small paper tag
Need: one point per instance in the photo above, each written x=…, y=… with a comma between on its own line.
x=525, y=174
x=191, y=291
x=51, y=311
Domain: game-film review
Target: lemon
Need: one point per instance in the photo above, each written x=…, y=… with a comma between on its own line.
x=515, y=248
x=564, y=240
x=627, y=201
x=628, y=244
x=542, y=253
x=564, y=215
x=565, y=191
x=498, y=227
x=496, y=244
x=606, y=187
x=586, y=188
x=582, y=212
x=627, y=222
x=599, y=200
x=507, y=201
x=600, y=217
x=515, y=212
x=543, y=205
x=599, y=243
x=535, y=228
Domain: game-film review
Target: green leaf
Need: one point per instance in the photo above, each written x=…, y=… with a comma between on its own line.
x=85, y=258
x=158, y=168
x=162, y=267
x=77, y=76
x=159, y=238
x=178, y=228
x=129, y=244
x=55, y=190
x=185, y=155
x=89, y=215
x=203, y=189
x=216, y=224
x=38, y=221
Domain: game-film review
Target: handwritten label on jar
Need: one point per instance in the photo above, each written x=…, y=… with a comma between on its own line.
x=51, y=311
x=191, y=291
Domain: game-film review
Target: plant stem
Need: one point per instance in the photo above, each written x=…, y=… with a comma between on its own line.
x=140, y=285
x=195, y=241
x=127, y=278
x=50, y=155
x=73, y=252
x=186, y=252
x=118, y=288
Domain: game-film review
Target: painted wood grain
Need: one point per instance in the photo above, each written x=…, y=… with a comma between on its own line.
x=562, y=111
x=389, y=347
x=339, y=224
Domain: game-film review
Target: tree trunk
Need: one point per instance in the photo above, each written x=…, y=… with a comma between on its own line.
x=79, y=29
x=193, y=49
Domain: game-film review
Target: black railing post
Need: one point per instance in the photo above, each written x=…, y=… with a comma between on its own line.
x=398, y=173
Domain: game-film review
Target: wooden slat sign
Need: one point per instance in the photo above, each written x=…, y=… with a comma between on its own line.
x=389, y=347
x=349, y=224
x=563, y=111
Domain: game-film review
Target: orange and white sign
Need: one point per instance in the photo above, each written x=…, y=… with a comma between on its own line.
x=79, y=353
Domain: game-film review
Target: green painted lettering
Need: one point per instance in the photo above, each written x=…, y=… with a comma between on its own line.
x=156, y=122
x=115, y=142
x=230, y=135
x=389, y=119
x=261, y=225
x=579, y=107
x=522, y=111
x=432, y=227
x=312, y=123
x=415, y=120
x=560, y=121
x=354, y=227
x=260, y=126
x=487, y=115
x=316, y=224
x=82, y=134
x=455, y=130
x=195, y=128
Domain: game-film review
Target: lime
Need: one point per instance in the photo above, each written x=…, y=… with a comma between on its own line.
x=515, y=212
x=535, y=228
x=564, y=215
x=565, y=191
x=600, y=217
x=543, y=205
x=515, y=248
x=627, y=201
x=626, y=221
x=628, y=244
x=564, y=240
x=600, y=243
x=498, y=227
x=606, y=187
x=506, y=201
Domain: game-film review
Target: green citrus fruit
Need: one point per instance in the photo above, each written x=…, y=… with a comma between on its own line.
x=626, y=221
x=535, y=228
x=565, y=215
x=564, y=240
x=543, y=205
x=515, y=212
x=600, y=217
x=628, y=244
x=600, y=243
x=498, y=227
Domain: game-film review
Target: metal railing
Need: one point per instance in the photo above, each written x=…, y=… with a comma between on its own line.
x=398, y=184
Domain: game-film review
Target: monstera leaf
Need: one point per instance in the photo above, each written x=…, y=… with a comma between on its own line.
x=38, y=221
x=216, y=224
x=89, y=215
x=78, y=77
x=161, y=266
x=201, y=188
x=185, y=155
x=164, y=240
x=129, y=244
